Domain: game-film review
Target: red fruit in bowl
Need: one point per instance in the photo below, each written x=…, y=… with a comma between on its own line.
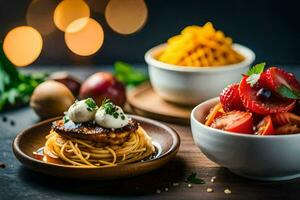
x=103, y=85
x=265, y=127
x=263, y=102
x=275, y=78
x=230, y=98
x=235, y=121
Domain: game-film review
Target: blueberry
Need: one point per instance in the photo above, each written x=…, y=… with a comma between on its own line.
x=264, y=93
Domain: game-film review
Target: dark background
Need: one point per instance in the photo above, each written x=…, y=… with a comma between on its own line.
x=270, y=28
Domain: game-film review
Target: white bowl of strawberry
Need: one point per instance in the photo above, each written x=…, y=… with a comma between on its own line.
x=253, y=127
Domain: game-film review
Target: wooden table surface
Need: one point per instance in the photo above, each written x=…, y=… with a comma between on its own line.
x=18, y=182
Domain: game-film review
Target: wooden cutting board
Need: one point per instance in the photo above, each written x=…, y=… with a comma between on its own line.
x=144, y=101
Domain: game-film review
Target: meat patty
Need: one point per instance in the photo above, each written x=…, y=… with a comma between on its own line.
x=93, y=132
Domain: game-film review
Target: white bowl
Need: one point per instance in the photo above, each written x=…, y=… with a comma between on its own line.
x=192, y=85
x=271, y=158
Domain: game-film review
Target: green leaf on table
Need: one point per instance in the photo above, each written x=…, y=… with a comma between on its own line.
x=194, y=179
x=129, y=75
x=287, y=92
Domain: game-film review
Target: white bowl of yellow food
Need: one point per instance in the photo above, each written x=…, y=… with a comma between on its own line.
x=189, y=82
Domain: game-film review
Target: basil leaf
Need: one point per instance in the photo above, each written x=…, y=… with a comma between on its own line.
x=257, y=69
x=284, y=91
x=194, y=179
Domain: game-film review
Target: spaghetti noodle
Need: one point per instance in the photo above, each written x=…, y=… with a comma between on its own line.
x=85, y=153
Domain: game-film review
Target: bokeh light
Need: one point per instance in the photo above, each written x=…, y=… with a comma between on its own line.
x=23, y=45
x=126, y=16
x=68, y=11
x=87, y=40
x=39, y=15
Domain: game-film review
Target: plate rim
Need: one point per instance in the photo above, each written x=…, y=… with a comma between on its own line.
x=173, y=149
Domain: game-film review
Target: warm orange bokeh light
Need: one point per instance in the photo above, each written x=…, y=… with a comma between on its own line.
x=88, y=40
x=23, y=45
x=39, y=15
x=68, y=11
x=126, y=16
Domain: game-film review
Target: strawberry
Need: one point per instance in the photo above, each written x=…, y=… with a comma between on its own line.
x=268, y=104
x=230, y=98
x=281, y=82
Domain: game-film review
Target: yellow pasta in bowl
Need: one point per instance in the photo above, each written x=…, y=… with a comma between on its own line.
x=196, y=65
x=200, y=46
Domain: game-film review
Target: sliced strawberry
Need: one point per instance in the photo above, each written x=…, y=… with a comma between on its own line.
x=263, y=106
x=273, y=78
x=235, y=121
x=230, y=98
x=265, y=127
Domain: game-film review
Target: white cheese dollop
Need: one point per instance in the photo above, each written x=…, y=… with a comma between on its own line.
x=111, y=121
x=80, y=112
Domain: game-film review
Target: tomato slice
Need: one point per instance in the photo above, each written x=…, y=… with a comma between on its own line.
x=235, y=121
x=215, y=112
x=287, y=129
x=265, y=127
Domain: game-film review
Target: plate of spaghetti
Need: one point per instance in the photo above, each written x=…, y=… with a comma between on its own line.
x=96, y=142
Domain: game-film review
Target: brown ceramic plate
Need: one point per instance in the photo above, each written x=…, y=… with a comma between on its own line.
x=165, y=139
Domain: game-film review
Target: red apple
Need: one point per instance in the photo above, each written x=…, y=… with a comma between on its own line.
x=103, y=85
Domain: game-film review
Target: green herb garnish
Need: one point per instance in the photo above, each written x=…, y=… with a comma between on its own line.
x=194, y=179
x=284, y=91
x=252, y=80
x=254, y=73
x=91, y=104
x=66, y=119
x=129, y=75
x=116, y=115
x=257, y=69
x=110, y=108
